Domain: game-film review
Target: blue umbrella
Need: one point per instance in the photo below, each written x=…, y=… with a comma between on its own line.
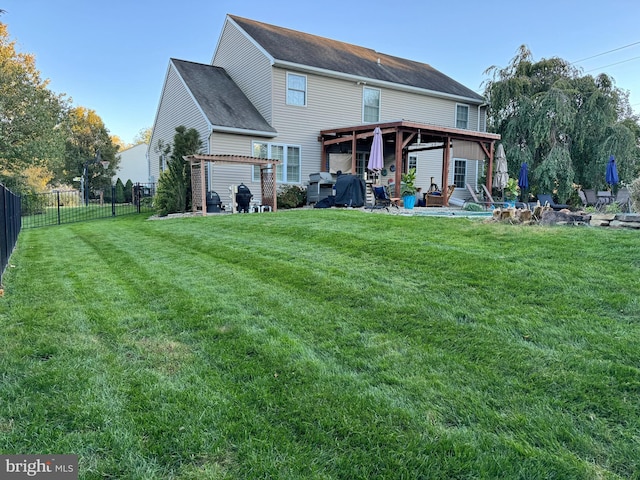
x=612, y=172
x=523, y=176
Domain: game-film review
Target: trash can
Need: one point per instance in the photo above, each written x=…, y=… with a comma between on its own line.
x=213, y=202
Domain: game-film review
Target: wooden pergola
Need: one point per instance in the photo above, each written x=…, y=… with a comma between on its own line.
x=268, y=186
x=418, y=136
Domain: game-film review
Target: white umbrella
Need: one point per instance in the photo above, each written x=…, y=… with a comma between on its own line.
x=502, y=171
x=376, y=161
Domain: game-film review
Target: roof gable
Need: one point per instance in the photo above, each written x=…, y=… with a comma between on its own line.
x=322, y=53
x=221, y=100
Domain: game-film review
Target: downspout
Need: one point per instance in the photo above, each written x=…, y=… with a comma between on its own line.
x=479, y=108
x=209, y=164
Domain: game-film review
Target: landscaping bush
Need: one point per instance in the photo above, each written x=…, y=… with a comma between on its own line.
x=128, y=191
x=291, y=196
x=472, y=207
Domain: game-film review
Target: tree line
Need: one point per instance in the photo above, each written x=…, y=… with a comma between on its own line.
x=45, y=141
x=564, y=124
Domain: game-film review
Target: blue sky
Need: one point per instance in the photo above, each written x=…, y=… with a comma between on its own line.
x=112, y=56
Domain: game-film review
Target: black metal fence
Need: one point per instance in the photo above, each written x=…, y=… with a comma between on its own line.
x=9, y=225
x=56, y=208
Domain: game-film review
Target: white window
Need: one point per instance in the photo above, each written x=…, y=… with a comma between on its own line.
x=459, y=173
x=413, y=162
x=296, y=89
x=462, y=116
x=370, y=105
x=162, y=162
x=289, y=170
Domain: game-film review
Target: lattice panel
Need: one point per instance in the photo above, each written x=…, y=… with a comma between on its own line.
x=268, y=180
x=197, y=201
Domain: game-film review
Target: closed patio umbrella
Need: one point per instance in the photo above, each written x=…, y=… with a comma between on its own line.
x=502, y=172
x=523, y=179
x=611, y=175
x=376, y=160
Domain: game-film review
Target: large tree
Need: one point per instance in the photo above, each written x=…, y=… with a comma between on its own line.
x=563, y=124
x=31, y=137
x=86, y=136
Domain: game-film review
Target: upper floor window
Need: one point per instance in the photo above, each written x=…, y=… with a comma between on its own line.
x=370, y=105
x=296, y=89
x=289, y=170
x=162, y=161
x=462, y=116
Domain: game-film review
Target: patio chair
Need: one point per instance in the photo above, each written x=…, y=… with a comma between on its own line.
x=487, y=195
x=583, y=198
x=437, y=199
x=623, y=200
x=546, y=199
x=475, y=198
x=382, y=199
x=590, y=195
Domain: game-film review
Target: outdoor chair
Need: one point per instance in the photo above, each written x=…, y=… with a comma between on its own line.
x=623, y=200
x=546, y=199
x=583, y=198
x=382, y=199
x=475, y=198
x=592, y=199
x=488, y=196
x=438, y=199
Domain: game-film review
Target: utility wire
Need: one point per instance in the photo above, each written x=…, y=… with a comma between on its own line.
x=605, y=53
x=612, y=64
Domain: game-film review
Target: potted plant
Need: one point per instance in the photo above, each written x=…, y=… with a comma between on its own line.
x=511, y=191
x=408, y=188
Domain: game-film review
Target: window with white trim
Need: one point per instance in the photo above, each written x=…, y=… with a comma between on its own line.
x=370, y=105
x=162, y=163
x=413, y=162
x=462, y=116
x=296, y=89
x=459, y=173
x=290, y=156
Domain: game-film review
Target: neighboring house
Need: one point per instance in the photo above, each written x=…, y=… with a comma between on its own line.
x=133, y=164
x=310, y=102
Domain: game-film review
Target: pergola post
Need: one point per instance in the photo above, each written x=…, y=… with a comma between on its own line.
x=446, y=155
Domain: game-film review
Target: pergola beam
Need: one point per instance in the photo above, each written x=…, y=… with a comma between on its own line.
x=263, y=163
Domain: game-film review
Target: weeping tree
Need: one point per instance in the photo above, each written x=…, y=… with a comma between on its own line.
x=563, y=124
x=174, y=185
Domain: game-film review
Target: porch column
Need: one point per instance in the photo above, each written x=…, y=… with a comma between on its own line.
x=203, y=178
x=398, y=160
x=446, y=154
x=490, y=171
x=354, y=147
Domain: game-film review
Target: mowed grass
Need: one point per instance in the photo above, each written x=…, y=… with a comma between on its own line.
x=324, y=345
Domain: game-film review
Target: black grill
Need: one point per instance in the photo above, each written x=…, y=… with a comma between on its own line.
x=243, y=198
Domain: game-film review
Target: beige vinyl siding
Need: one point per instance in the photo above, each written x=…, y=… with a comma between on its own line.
x=247, y=65
x=224, y=175
x=176, y=108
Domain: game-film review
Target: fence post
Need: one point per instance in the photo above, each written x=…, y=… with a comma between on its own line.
x=58, y=197
x=113, y=200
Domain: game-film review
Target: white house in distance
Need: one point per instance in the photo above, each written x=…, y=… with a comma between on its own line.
x=133, y=164
x=312, y=103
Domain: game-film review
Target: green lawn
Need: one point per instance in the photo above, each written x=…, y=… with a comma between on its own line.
x=68, y=214
x=324, y=344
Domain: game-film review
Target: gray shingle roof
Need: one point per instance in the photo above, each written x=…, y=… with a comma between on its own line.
x=319, y=52
x=220, y=98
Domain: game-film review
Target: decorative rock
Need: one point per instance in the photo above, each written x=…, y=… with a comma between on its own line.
x=634, y=225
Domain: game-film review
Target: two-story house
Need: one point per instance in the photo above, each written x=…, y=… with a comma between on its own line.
x=312, y=103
